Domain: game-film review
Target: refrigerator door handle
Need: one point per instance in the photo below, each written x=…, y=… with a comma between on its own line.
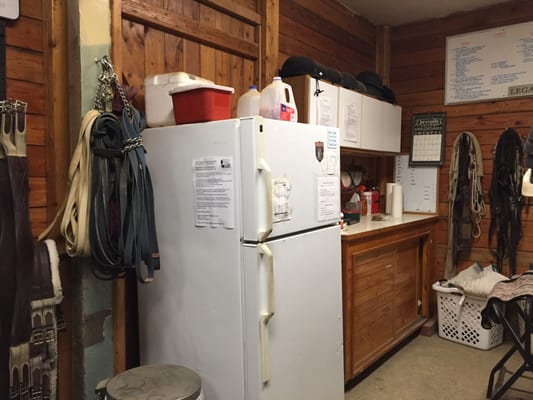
x=267, y=177
x=268, y=313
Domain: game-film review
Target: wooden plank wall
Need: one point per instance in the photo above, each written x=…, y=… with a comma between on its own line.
x=328, y=33
x=220, y=40
x=28, y=71
x=217, y=40
x=25, y=81
x=417, y=76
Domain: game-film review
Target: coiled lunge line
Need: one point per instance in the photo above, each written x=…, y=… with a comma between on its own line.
x=74, y=211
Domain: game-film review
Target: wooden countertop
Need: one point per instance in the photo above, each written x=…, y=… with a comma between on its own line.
x=367, y=227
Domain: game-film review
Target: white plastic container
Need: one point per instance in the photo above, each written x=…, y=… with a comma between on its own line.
x=158, y=102
x=249, y=102
x=459, y=319
x=277, y=101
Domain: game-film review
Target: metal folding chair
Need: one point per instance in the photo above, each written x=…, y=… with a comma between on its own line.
x=506, y=296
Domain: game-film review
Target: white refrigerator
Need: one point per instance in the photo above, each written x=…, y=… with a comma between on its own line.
x=249, y=293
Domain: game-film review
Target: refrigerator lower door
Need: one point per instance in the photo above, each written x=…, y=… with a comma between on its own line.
x=294, y=284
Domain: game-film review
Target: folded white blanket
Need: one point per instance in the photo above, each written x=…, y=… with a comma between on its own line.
x=476, y=281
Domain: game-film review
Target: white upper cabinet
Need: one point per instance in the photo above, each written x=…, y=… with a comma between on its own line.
x=316, y=100
x=323, y=98
x=364, y=122
x=392, y=127
x=350, y=112
x=372, y=124
x=380, y=125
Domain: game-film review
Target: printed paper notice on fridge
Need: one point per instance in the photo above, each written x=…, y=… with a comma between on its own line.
x=328, y=197
x=213, y=192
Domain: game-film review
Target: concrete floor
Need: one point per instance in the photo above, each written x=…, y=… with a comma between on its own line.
x=432, y=368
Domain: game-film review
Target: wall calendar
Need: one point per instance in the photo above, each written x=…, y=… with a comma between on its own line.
x=427, y=139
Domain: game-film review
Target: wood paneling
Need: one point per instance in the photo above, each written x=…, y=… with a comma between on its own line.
x=25, y=65
x=328, y=33
x=25, y=81
x=26, y=33
x=31, y=73
x=417, y=77
x=217, y=40
x=239, y=43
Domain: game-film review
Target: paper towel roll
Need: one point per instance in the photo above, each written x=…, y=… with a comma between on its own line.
x=397, y=201
x=388, y=197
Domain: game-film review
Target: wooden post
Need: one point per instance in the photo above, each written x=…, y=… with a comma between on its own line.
x=119, y=287
x=57, y=98
x=269, y=44
x=57, y=140
x=383, y=44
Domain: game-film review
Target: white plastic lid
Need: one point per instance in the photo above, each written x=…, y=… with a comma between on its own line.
x=180, y=78
x=200, y=85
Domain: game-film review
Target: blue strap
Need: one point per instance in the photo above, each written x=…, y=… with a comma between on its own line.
x=122, y=231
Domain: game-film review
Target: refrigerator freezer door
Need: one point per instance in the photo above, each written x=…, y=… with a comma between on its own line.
x=290, y=176
x=304, y=351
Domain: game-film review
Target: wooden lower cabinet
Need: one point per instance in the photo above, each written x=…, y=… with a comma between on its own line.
x=385, y=291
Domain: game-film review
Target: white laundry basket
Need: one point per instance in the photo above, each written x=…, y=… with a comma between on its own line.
x=459, y=319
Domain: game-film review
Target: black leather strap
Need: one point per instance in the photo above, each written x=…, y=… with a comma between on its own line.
x=18, y=174
x=141, y=238
x=122, y=225
x=104, y=230
x=7, y=274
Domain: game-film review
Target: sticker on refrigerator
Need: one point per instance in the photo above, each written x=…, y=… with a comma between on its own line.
x=281, y=193
x=332, y=139
x=319, y=151
x=328, y=197
x=213, y=192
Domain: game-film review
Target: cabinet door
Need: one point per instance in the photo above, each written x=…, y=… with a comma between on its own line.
x=406, y=282
x=371, y=124
x=372, y=307
x=349, y=118
x=392, y=127
x=322, y=107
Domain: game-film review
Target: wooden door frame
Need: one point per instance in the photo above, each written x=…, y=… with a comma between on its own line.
x=57, y=148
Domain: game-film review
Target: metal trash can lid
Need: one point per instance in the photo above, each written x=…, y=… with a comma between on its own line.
x=164, y=382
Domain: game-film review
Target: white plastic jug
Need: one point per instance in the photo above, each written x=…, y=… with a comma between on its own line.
x=277, y=101
x=248, y=104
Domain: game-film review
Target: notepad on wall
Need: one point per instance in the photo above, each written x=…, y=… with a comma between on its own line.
x=419, y=186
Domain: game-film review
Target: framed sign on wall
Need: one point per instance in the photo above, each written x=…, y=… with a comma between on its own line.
x=427, y=139
x=490, y=64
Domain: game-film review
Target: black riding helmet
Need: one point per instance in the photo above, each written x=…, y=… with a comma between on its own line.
x=301, y=65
